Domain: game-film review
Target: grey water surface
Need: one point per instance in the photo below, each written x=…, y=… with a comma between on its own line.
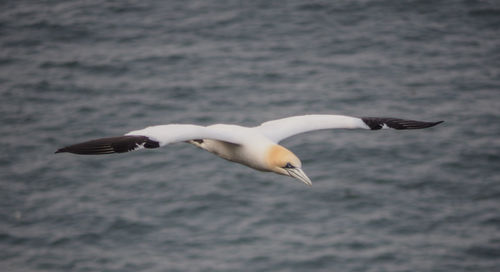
x=422, y=200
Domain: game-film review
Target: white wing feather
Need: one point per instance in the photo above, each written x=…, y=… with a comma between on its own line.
x=279, y=129
x=167, y=134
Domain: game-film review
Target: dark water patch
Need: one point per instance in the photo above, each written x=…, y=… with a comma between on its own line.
x=28, y=240
x=319, y=262
x=24, y=42
x=386, y=257
x=52, y=91
x=171, y=59
x=312, y=6
x=85, y=238
x=125, y=227
x=61, y=32
x=9, y=60
x=137, y=267
x=97, y=69
x=356, y=245
x=241, y=240
x=67, y=64
x=182, y=93
x=484, y=251
x=48, y=264
x=130, y=8
x=493, y=220
x=219, y=200
x=481, y=13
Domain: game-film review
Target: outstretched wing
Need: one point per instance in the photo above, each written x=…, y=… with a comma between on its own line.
x=150, y=137
x=277, y=130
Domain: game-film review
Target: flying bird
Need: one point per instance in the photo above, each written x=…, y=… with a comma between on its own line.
x=256, y=147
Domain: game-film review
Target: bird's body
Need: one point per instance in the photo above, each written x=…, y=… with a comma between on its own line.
x=256, y=147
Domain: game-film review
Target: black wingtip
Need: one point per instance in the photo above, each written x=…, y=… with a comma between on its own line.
x=431, y=124
x=376, y=123
x=110, y=145
x=62, y=150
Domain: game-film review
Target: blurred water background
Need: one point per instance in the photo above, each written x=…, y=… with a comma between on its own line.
x=425, y=200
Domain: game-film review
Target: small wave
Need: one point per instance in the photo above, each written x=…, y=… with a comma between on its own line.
x=485, y=13
x=91, y=68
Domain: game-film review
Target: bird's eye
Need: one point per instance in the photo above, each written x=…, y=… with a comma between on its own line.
x=289, y=165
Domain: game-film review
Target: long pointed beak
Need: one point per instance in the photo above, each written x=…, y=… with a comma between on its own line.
x=300, y=175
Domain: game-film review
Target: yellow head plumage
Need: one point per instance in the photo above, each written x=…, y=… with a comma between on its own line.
x=279, y=157
x=282, y=161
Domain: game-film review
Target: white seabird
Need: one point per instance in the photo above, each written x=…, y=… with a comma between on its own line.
x=256, y=147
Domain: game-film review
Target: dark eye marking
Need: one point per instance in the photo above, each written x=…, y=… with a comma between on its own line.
x=289, y=165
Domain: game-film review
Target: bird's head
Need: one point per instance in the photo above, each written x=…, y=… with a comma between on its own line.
x=282, y=161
